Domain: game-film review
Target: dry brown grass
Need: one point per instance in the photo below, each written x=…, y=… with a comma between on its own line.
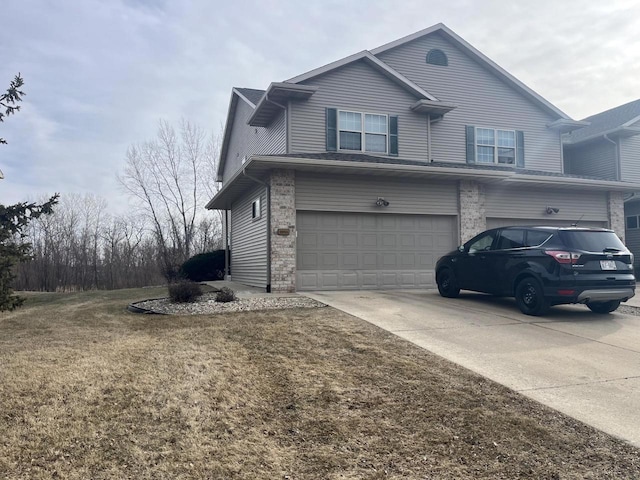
x=89, y=391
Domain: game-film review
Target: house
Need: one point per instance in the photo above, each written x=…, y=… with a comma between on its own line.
x=361, y=173
x=609, y=148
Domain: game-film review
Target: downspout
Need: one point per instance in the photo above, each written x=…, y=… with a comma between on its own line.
x=429, y=138
x=618, y=167
x=227, y=242
x=268, y=209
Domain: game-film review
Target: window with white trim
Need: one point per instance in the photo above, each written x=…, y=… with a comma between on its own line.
x=363, y=132
x=632, y=222
x=255, y=209
x=495, y=146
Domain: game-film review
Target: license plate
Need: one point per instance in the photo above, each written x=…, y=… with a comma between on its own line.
x=608, y=265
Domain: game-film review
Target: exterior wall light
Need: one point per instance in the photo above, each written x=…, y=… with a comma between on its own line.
x=381, y=202
x=552, y=210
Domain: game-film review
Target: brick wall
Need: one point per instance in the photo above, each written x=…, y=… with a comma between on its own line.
x=616, y=213
x=472, y=210
x=283, y=218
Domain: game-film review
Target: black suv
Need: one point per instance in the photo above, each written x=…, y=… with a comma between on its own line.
x=542, y=266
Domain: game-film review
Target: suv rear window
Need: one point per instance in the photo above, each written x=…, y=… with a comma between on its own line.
x=592, y=241
x=536, y=237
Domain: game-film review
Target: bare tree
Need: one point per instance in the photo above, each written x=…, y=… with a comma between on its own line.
x=169, y=178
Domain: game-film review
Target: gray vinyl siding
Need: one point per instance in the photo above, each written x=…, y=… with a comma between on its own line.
x=348, y=193
x=482, y=99
x=595, y=159
x=249, y=240
x=630, y=159
x=531, y=203
x=246, y=140
x=357, y=87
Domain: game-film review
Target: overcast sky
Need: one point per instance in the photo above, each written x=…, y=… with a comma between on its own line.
x=99, y=74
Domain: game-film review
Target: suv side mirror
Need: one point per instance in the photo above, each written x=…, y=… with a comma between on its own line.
x=461, y=248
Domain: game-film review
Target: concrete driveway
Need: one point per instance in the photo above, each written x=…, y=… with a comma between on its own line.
x=580, y=363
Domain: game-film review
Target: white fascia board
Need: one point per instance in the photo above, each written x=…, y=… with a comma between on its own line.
x=575, y=182
x=399, y=77
x=407, y=39
x=327, y=68
x=631, y=130
x=251, y=104
x=426, y=168
x=631, y=122
x=480, y=56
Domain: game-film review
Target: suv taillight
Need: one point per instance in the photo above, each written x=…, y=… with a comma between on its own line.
x=561, y=256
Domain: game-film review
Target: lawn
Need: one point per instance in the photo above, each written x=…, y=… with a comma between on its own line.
x=90, y=391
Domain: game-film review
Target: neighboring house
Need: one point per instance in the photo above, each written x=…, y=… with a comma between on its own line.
x=609, y=148
x=361, y=173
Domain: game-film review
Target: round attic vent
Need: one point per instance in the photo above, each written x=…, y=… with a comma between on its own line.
x=437, y=57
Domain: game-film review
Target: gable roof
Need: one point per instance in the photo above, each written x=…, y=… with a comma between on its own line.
x=247, y=95
x=480, y=58
x=615, y=121
x=373, y=61
x=251, y=95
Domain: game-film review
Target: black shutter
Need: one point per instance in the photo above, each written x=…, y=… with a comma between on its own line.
x=520, y=149
x=393, y=135
x=471, y=144
x=332, y=129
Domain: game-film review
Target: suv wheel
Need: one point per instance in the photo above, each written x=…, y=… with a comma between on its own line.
x=530, y=297
x=447, y=284
x=603, y=307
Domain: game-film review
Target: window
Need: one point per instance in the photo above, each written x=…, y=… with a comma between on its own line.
x=483, y=242
x=361, y=132
x=352, y=125
x=437, y=57
x=492, y=146
x=255, y=209
x=495, y=146
x=632, y=222
x=511, y=239
x=536, y=237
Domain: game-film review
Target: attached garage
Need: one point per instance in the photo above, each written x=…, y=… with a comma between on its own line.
x=528, y=206
x=337, y=250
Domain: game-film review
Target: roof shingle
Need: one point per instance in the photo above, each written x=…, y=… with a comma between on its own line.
x=252, y=94
x=606, y=121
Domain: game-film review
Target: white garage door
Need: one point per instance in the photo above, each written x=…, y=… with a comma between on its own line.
x=370, y=251
x=506, y=222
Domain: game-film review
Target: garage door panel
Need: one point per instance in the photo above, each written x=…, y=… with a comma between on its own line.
x=328, y=240
x=407, y=241
x=308, y=261
x=330, y=280
x=349, y=222
x=389, y=240
x=369, y=261
x=369, y=240
x=388, y=260
x=308, y=240
x=350, y=261
x=354, y=251
x=368, y=222
x=329, y=260
x=350, y=240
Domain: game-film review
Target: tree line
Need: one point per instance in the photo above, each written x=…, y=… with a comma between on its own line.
x=71, y=242
x=81, y=247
